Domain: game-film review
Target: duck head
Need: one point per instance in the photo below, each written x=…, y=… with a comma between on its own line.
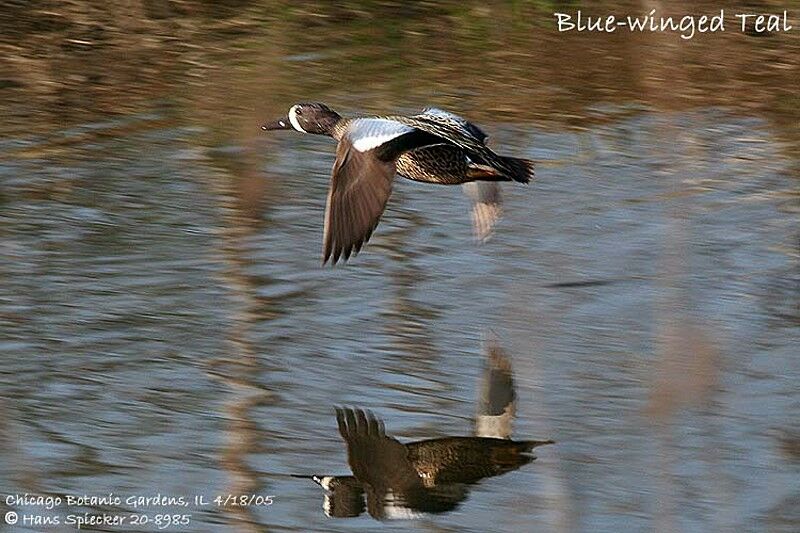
x=306, y=118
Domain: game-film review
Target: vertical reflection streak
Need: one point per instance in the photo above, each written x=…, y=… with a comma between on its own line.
x=240, y=367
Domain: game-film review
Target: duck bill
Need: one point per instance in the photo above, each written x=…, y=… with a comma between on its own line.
x=281, y=124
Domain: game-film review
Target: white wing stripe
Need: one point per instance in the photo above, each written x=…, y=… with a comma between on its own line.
x=368, y=133
x=365, y=144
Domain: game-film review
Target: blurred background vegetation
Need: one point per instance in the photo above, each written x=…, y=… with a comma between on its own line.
x=229, y=63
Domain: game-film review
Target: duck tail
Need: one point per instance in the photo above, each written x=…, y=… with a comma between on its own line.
x=520, y=170
x=508, y=454
x=527, y=446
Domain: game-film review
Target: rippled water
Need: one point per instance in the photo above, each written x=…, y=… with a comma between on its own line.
x=166, y=326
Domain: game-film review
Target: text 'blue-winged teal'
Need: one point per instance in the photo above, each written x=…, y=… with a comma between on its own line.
x=434, y=146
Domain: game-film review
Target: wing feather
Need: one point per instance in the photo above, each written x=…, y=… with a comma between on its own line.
x=440, y=115
x=360, y=187
x=487, y=207
x=366, y=134
x=457, y=135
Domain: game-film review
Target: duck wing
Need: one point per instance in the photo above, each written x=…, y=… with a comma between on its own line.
x=440, y=115
x=449, y=130
x=380, y=463
x=487, y=202
x=441, y=125
x=361, y=181
x=498, y=400
x=487, y=207
x=375, y=458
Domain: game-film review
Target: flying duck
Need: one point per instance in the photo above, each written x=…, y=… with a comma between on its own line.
x=434, y=146
x=428, y=476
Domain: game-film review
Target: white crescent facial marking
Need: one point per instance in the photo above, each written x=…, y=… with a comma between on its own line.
x=293, y=118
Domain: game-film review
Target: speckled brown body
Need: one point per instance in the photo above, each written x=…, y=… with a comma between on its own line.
x=443, y=164
x=466, y=459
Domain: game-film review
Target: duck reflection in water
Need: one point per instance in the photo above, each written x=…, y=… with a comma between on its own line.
x=404, y=481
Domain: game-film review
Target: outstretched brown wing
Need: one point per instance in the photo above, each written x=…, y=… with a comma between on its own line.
x=487, y=206
x=380, y=462
x=360, y=187
x=375, y=458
